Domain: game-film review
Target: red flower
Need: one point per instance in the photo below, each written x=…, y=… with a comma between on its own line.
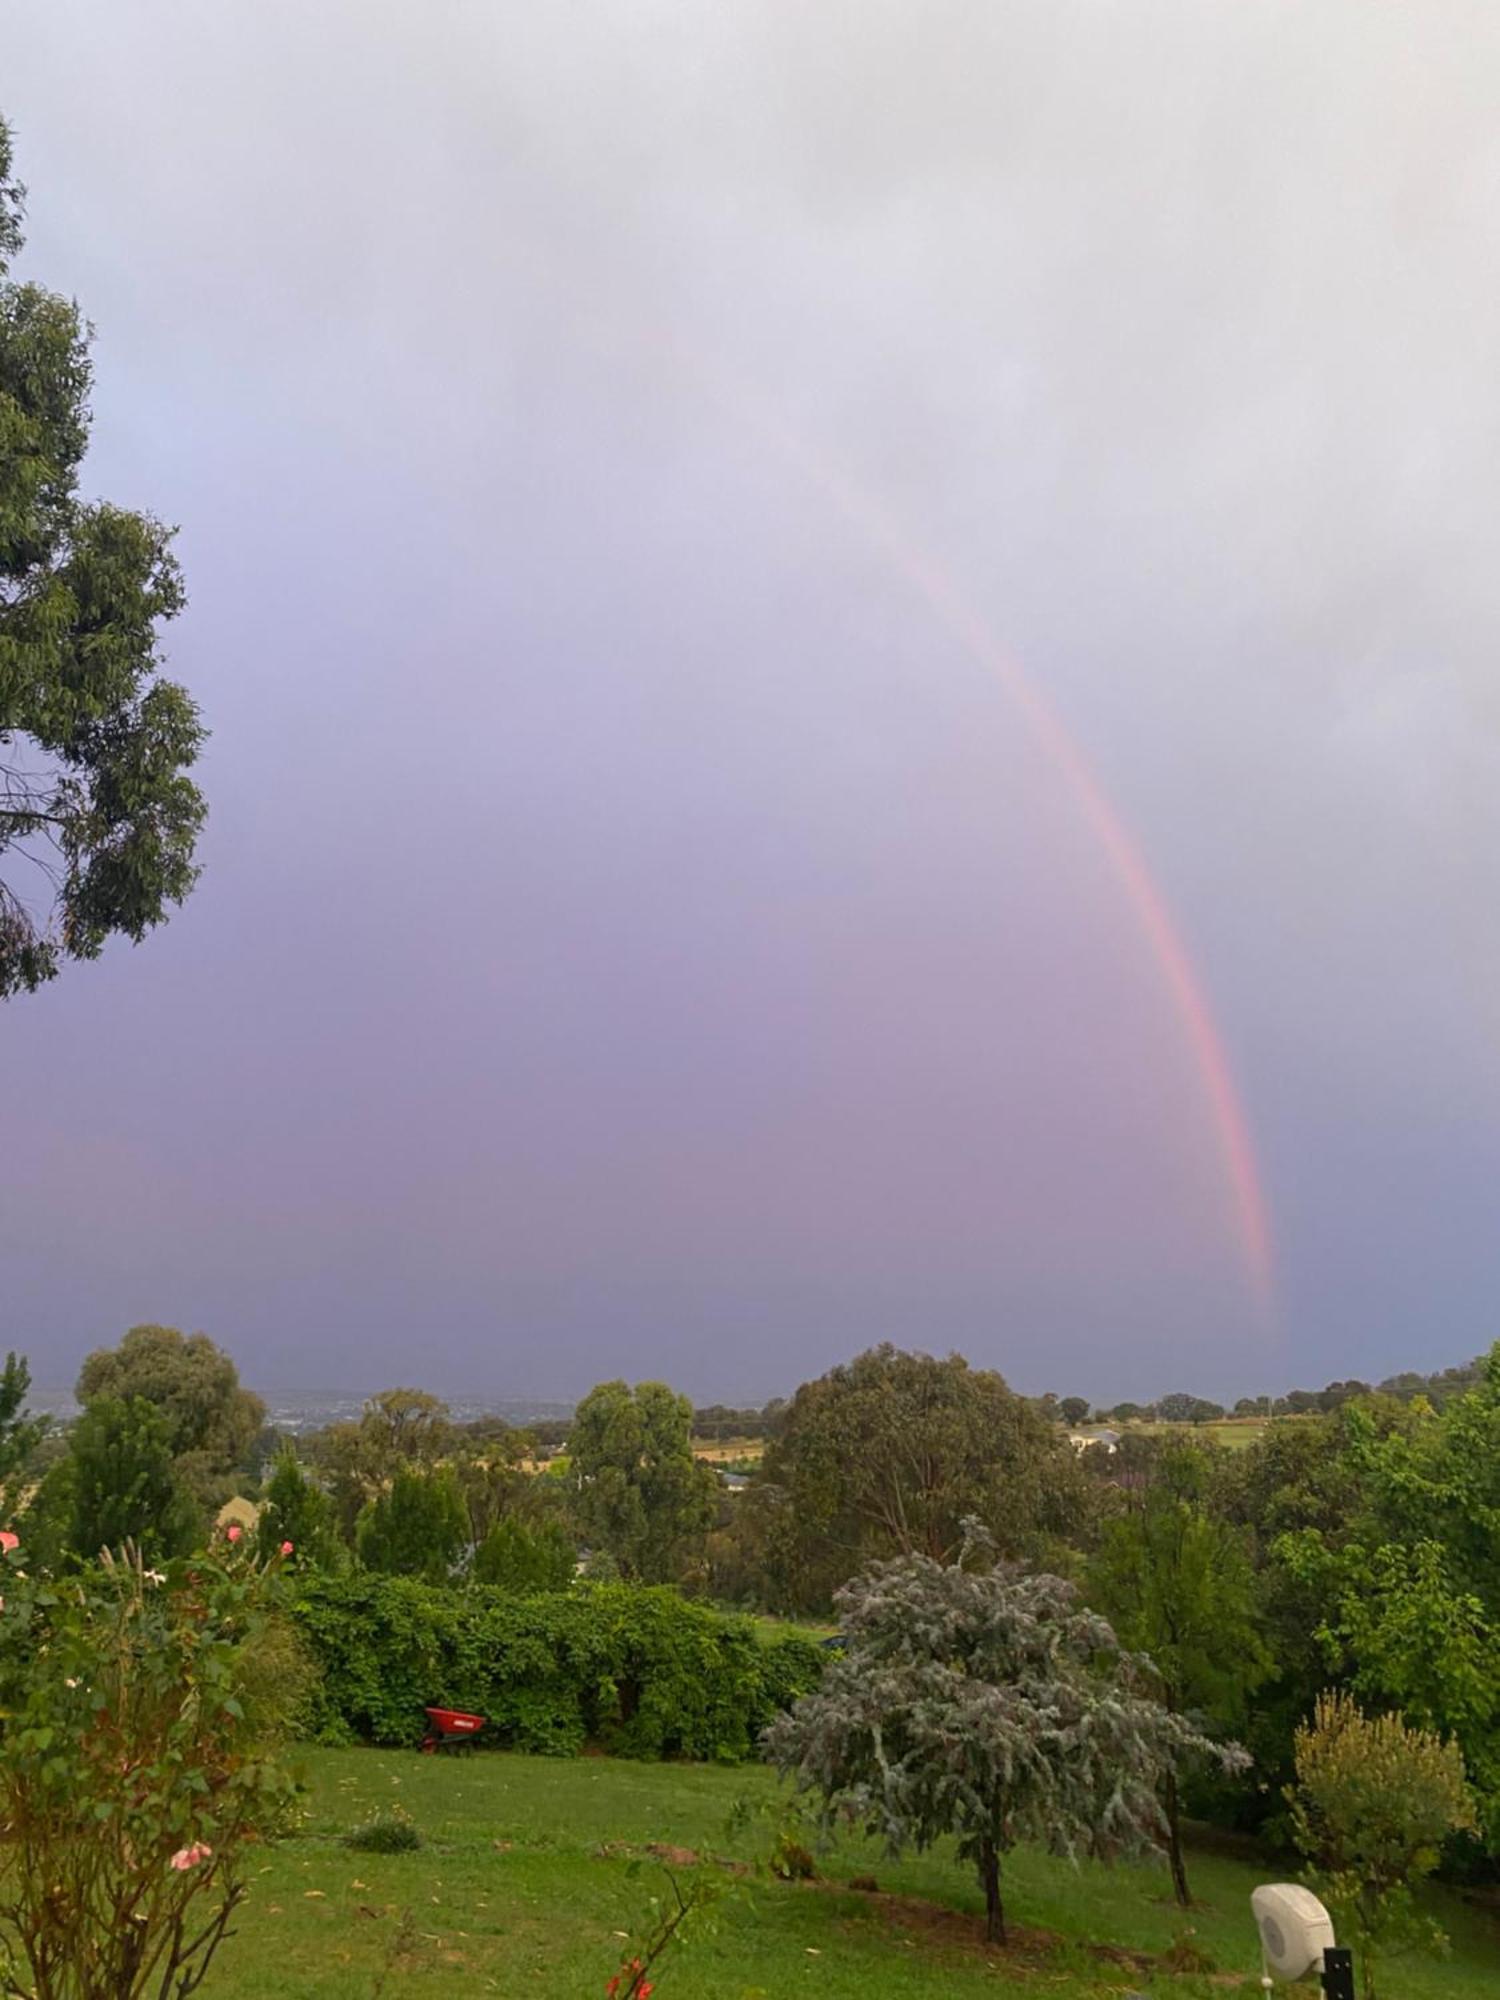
x=234, y=1531
x=286, y=1548
x=612, y=1986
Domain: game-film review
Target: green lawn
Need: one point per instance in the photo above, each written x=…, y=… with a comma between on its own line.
x=525, y=1883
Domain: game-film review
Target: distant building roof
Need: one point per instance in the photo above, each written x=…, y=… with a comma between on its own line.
x=1085, y=1440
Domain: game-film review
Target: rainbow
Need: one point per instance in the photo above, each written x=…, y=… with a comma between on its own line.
x=864, y=511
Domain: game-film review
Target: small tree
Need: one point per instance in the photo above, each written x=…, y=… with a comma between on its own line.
x=136, y=1764
x=515, y=1557
x=118, y=1484
x=1176, y=1584
x=298, y=1511
x=1372, y=1805
x=20, y=1434
x=419, y=1528
x=987, y=1704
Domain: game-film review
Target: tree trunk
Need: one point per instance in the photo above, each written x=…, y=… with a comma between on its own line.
x=994, y=1909
x=1173, y=1810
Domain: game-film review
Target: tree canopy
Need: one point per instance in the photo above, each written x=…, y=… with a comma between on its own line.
x=640, y=1495
x=419, y=1528
x=119, y=1483
x=212, y=1423
x=96, y=809
x=889, y=1453
x=1176, y=1583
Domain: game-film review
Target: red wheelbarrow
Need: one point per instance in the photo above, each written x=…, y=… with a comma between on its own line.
x=449, y=1725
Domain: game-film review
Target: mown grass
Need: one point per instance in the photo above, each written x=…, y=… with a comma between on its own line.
x=525, y=1881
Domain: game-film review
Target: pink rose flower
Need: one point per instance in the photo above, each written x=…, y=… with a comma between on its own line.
x=286, y=1548
x=8, y=1541
x=189, y=1857
x=234, y=1531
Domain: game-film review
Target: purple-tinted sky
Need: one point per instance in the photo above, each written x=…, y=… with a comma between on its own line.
x=635, y=938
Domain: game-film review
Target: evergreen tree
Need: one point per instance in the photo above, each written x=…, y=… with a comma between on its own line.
x=119, y=1483
x=419, y=1528
x=515, y=1557
x=20, y=1435
x=297, y=1510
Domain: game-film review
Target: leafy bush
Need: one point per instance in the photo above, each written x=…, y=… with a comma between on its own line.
x=392, y=1832
x=1373, y=1804
x=636, y=1670
x=141, y=1709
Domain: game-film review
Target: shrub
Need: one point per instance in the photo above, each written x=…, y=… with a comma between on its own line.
x=136, y=1765
x=636, y=1670
x=1373, y=1804
x=391, y=1832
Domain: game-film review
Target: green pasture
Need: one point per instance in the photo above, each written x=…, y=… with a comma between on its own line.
x=533, y=1867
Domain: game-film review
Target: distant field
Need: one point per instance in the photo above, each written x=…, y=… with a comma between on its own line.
x=723, y=1451
x=527, y=1882
x=1234, y=1433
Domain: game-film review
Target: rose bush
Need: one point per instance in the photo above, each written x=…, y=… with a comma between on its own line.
x=140, y=1711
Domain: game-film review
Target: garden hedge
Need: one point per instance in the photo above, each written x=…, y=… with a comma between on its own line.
x=636, y=1671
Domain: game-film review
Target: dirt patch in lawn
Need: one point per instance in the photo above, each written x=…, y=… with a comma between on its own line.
x=916, y=1922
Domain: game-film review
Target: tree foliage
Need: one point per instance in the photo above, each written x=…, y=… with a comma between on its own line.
x=987, y=1704
x=516, y=1556
x=212, y=1423
x=420, y=1528
x=1177, y=1585
x=297, y=1510
x=137, y=1763
x=1373, y=1804
x=96, y=809
x=1406, y=1585
x=636, y=1670
x=118, y=1484
x=888, y=1454
x=21, y=1434
x=641, y=1496
x=398, y=1428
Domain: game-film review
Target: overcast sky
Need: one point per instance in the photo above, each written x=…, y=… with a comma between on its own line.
x=644, y=929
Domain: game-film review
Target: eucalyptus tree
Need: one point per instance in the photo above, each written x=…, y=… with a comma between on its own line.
x=98, y=818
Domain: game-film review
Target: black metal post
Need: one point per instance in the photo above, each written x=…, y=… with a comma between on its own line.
x=1338, y=1973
